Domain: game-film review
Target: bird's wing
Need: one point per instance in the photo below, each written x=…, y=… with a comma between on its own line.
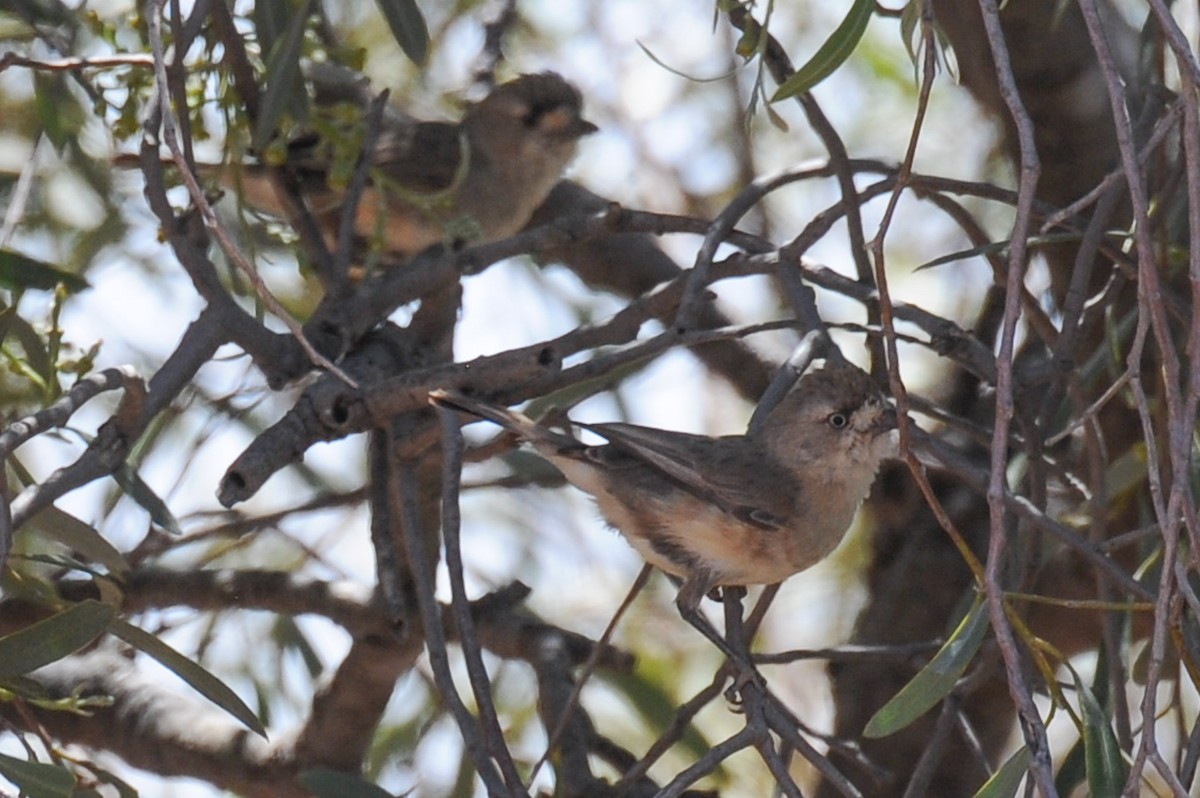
x=421, y=158
x=424, y=158
x=712, y=469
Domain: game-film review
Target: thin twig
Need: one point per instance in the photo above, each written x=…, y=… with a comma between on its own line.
x=201, y=203
x=452, y=452
x=403, y=482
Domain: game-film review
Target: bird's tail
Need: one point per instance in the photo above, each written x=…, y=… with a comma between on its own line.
x=519, y=423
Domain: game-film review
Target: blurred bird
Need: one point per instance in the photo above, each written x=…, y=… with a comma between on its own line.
x=734, y=510
x=476, y=180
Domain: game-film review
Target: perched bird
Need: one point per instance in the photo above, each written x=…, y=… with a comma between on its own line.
x=734, y=510
x=476, y=180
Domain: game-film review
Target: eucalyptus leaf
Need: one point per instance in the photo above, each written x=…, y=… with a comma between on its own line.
x=1007, y=778
x=137, y=489
x=648, y=690
x=37, y=779
x=832, y=54
x=51, y=639
x=326, y=783
x=408, y=27
x=18, y=271
x=285, y=89
x=1106, y=769
x=62, y=527
x=935, y=681
x=191, y=672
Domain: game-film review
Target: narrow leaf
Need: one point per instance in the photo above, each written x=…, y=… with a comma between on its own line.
x=1073, y=770
x=61, y=526
x=37, y=779
x=836, y=49
x=1106, y=771
x=59, y=111
x=999, y=248
x=19, y=271
x=289, y=635
x=648, y=691
x=1005, y=781
x=326, y=783
x=990, y=248
x=408, y=27
x=284, y=88
x=37, y=357
x=194, y=674
x=52, y=639
x=935, y=681
x=270, y=22
x=137, y=489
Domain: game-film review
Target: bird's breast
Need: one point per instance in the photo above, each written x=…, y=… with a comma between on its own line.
x=680, y=533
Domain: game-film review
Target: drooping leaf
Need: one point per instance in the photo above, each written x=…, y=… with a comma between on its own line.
x=408, y=27
x=59, y=111
x=1007, y=778
x=289, y=636
x=1000, y=248
x=648, y=691
x=935, y=681
x=51, y=639
x=284, y=88
x=18, y=271
x=1106, y=769
x=137, y=489
x=326, y=783
x=270, y=21
x=191, y=672
x=832, y=54
x=36, y=365
x=61, y=526
x=1072, y=771
x=38, y=779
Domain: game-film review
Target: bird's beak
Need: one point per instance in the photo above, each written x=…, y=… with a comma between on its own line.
x=584, y=128
x=886, y=421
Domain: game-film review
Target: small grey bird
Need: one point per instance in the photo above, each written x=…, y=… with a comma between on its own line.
x=734, y=510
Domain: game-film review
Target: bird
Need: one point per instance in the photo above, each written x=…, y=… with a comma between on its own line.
x=431, y=182
x=734, y=510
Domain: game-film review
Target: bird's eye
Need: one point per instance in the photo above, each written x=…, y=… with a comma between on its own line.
x=838, y=420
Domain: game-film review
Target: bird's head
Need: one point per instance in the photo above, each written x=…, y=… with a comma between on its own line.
x=835, y=415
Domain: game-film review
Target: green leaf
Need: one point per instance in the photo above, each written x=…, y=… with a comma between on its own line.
x=1000, y=248
x=271, y=18
x=137, y=489
x=37, y=366
x=289, y=635
x=935, y=681
x=57, y=108
x=1005, y=781
x=19, y=272
x=408, y=27
x=1106, y=770
x=649, y=690
x=194, y=674
x=1072, y=771
x=285, y=89
x=52, y=639
x=37, y=779
x=62, y=527
x=326, y=783
x=106, y=777
x=910, y=21
x=836, y=49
